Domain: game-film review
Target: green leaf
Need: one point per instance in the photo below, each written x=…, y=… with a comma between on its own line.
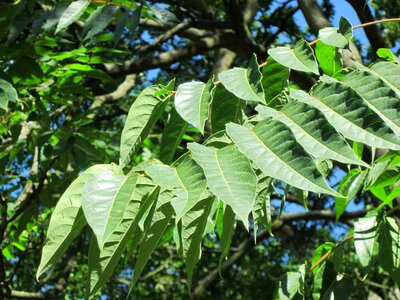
x=313, y=132
x=192, y=101
x=119, y=29
x=104, y=200
x=134, y=19
x=67, y=220
x=365, y=239
x=329, y=58
x=262, y=205
x=160, y=219
x=337, y=37
x=275, y=78
x=229, y=177
x=193, y=225
x=350, y=185
x=244, y=83
x=102, y=262
x=349, y=114
x=226, y=234
x=225, y=108
x=141, y=118
x=291, y=286
x=267, y=146
x=72, y=13
x=172, y=136
x=7, y=94
x=389, y=248
x=387, y=54
x=187, y=180
x=379, y=94
x=300, y=58
x=98, y=20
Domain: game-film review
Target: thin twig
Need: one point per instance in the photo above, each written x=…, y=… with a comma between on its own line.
x=363, y=25
x=326, y=255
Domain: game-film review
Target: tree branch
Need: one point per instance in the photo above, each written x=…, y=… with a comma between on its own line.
x=248, y=244
x=227, y=40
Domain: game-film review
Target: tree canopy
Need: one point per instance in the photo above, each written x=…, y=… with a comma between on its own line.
x=176, y=149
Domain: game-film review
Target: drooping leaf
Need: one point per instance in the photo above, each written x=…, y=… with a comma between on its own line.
x=7, y=94
x=98, y=20
x=350, y=185
x=348, y=113
x=67, y=220
x=141, y=118
x=225, y=108
x=313, y=132
x=389, y=248
x=329, y=59
x=160, y=219
x=365, y=239
x=187, y=180
x=119, y=29
x=191, y=233
x=381, y=97
x=300, y=58
x=192, y=101
x=229, y=176
x=267, y=146
x=172, y=136
x=72, y=13
x=102, y=262
x=275, y=78
x=262, y=206
x=244, y=83
x=134, y=19
x=337, y=37
x=104, y=200
x=226, y=233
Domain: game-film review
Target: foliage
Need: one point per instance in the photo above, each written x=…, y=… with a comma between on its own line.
x=218, y=153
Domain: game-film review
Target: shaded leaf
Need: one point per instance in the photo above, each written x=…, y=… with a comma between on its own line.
x=349, y=187
x=160, y=219
x=229, y=177
x=98, y=20
x=379, y=94
x=172, y=136
x=193, y=225
x=67, y=220
x=275, y=78
x=365, y=239
x=141, y=118
x=225, y=108
x=102, y=262
x=266, y=145
x=348, y=113
x=186, y=179
x=72, y=13
x=313, y=132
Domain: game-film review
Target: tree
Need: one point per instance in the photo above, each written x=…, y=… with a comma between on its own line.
x=210, y=171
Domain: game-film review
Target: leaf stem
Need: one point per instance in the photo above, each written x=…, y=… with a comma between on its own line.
x=362, y=25
x=326, y=255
